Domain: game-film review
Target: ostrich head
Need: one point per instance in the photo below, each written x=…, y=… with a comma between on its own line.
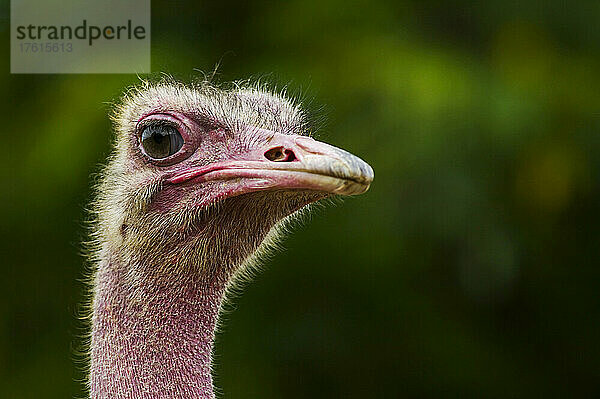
x=199, y=180
x=202, y=174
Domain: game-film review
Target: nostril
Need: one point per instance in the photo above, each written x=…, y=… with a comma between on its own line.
x=279, y=154
x=290, y=156
x=275, y=154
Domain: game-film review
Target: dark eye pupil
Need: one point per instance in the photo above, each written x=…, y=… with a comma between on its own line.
x=158, y=138
x=161, y=141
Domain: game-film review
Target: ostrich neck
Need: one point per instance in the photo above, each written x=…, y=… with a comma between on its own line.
x=152, y=339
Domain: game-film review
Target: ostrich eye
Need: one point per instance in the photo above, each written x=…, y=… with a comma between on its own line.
x=160, y=141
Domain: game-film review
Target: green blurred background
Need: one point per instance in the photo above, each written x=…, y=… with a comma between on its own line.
x=470, y=269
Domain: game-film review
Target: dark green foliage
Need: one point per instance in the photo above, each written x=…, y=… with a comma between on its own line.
x=469, y=270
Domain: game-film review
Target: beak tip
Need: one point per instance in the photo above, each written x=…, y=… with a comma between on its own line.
x=366, y=173
x=360, y=180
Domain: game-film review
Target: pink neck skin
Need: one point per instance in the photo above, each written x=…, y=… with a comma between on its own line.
x=152, y=340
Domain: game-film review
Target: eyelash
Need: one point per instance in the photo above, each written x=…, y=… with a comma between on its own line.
x=157, y=123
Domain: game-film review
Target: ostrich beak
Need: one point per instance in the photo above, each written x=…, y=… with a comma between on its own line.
x=288, y=162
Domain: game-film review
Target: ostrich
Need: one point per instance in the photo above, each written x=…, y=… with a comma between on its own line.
x=199, y=184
